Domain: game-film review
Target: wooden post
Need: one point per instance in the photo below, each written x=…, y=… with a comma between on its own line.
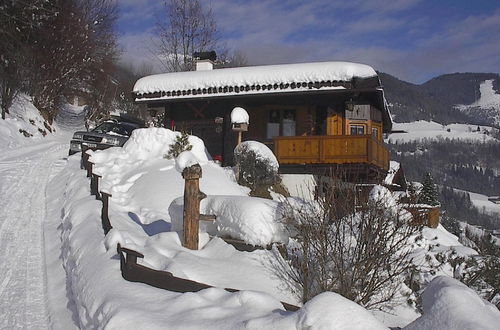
x=239, y=138
x=85, y=157
x=192, y=198
x=106, y=224
x=94, y=185
x=89, y=169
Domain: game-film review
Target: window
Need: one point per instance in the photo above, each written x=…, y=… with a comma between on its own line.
x=288, y=123
x=281, y=122
x=273, y=124
x=357, y=129
x=375, y=132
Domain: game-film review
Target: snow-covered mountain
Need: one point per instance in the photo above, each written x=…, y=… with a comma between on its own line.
x=471, y=98
x=487, y=106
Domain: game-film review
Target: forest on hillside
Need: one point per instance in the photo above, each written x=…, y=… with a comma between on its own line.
x=465, y=165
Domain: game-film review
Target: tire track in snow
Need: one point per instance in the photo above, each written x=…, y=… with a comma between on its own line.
x=23, y=293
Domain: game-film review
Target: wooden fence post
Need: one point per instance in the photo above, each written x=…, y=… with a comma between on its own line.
x=192, y=198
x=89, y=169
x=94, y=185
x=106, y=224
x=85, y=157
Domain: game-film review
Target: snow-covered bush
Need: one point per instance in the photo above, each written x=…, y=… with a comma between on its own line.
x=181, y=144
x=359, y=251
x=257, y=166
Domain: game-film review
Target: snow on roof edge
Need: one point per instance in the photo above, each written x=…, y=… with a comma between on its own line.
x=253, y=75
x=251, y=92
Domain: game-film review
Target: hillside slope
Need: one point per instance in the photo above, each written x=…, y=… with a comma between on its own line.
x=450, y=98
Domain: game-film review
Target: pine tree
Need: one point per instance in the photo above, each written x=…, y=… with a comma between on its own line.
x=181, y=144
x=429, y=194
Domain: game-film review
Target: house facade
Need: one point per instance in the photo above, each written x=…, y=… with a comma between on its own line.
x=314, y=116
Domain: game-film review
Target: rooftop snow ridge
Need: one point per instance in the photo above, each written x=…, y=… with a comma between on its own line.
x=252, y=79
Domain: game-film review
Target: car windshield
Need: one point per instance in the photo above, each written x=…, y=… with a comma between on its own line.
x=115, y=128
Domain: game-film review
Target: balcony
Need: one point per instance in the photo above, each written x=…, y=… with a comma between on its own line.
x=331, y=149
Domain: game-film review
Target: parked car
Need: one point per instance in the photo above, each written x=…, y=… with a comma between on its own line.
x=111, y=133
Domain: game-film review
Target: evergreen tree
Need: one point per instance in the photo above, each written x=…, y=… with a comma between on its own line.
x=181, y=144
x=429, y=193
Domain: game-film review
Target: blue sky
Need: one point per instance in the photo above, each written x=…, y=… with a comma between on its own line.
x=414, y=40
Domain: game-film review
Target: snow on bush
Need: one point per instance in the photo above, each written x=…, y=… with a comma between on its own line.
x=239, y=116
x=251, y=219
x=261, y=151
x=257, y=167
x=449, y=304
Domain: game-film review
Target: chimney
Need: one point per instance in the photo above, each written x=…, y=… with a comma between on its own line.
x=205, y=60
x=204, y=65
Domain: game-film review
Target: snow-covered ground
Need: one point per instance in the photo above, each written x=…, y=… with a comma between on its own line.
x=482, y=203
x=32, y=280
x=430, y=130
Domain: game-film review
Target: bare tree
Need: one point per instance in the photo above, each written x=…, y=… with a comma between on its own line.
x=74, y=52
x=341, y=242
x=187, y=27
x=18, y=23
x=231, y=60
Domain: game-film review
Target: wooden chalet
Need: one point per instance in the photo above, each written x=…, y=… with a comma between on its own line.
x=314, y=116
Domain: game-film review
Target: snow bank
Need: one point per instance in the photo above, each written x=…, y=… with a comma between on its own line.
x=22, y=117
x=253, y=220
x=147, y=144
x=102, y=299
x=256, y=75
x=449, y=304
x=261, y=151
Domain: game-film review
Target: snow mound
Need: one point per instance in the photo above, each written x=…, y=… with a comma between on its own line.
x=325, y=311
x=262, y=152
x=332, y=311
x=251, y=219
x=148, y=143
x=449, y=304
x=185, y=159
x=239, y=116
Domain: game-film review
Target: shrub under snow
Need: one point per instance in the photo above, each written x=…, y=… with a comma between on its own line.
x=257, y=166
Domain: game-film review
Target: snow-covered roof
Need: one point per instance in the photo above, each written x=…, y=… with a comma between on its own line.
x=252, y=80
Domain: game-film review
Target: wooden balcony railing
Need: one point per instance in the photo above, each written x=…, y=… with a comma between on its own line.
x=331, y=149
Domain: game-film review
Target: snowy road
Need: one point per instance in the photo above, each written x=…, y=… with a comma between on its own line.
x=24, y=175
